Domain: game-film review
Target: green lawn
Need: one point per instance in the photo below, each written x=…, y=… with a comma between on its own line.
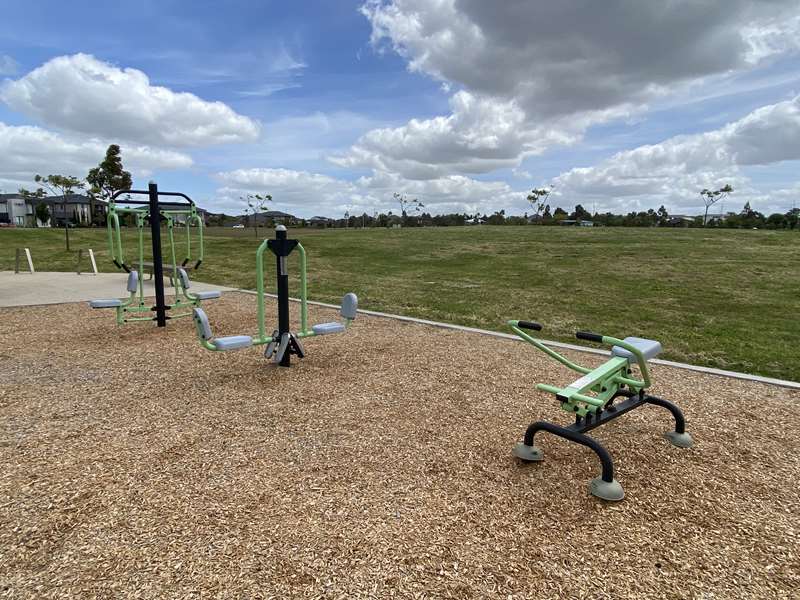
x=722, y=298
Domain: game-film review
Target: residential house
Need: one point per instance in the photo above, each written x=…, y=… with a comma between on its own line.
x=19, y=211
x=14, y=210
x=576, y=223
x=320, y=221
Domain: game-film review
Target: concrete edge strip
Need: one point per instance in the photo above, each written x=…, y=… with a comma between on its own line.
x=507, y=336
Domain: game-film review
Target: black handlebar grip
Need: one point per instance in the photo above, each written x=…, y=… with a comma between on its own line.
x=529, y=325
x=588, y=335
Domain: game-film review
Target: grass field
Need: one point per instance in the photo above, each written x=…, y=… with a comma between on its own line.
x=722, y=298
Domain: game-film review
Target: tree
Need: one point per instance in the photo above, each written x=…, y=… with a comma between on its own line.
x=538, y=199
x=255, y=203
x=663, y=215
x=42, y=213
x=581, y=214
x=407, y=204
x=107, y=178
x=60, y=185
x=712, y=196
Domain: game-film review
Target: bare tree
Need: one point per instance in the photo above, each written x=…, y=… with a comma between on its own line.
x=711, y=197
x=538, y=199
x=407, y=204
x=256, y=203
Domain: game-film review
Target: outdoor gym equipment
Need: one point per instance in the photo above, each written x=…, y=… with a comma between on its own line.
x=282, y=343
x=136, y=307
x=591, y=398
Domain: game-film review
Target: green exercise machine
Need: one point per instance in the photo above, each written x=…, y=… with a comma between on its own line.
x=282, y=342
x=591, y=398
x=136, y=307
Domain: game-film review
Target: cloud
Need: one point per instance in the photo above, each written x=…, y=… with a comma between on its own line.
x=480, y=135
x=306, y=194
x=81, y=94
x=674, y=171
x=268, y=89
x=8, y=66
x=25, y=151
x=530, y=75
x=563, y=58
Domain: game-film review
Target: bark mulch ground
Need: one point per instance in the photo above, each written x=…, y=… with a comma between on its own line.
x=134, y=463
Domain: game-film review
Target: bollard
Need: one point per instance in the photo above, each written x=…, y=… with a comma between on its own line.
x=28, y=258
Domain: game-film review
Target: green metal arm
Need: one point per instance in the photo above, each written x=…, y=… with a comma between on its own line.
x=112, y=225
x=514, y=324
x=640, y=360
x=303, y=286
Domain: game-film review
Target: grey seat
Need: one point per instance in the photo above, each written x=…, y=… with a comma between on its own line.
x=327, y=328
x=209, y=295
x=132, y=286
x=349, y=306
x=232, y=342
x=186, y=284
x=648, y=348
x=105, y=303
x=184, y=278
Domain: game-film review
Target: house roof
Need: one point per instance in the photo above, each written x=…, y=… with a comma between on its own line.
x=275, y=213
x=68, y=199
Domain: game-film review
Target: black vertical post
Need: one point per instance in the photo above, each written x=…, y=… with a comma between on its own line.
x=283, y=291
x=158, y=270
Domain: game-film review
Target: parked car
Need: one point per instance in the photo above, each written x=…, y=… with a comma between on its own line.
x=239, y=226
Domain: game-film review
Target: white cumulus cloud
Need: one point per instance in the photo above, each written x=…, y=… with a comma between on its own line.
x=26, y=150
x=82, y=94
x=306, y=194
x=675, y=170
x=530, y=75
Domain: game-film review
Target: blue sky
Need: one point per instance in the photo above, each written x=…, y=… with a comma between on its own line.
x=334, y=106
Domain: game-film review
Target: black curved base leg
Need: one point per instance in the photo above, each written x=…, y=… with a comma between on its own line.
x=605, y=486
x=679, y=437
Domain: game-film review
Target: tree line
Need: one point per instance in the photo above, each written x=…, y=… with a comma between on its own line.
x=747, y=218
x=109, y=177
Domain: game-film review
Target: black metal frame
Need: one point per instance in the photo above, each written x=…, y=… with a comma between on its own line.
x=282, y=247
x=577, y=431
x=152, y=192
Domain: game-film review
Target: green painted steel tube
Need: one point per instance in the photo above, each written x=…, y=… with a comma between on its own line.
x=634, y=383
x=171, y=237
x=200, y=241
x=636, y=352
x=140, y=229
x=303, y=290
x=110, y=228
x=112, y=223
x=546, y=387
x=262, y=328
x=551, y=353
x=587, y=399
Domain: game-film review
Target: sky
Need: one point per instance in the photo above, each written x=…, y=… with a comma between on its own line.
x=335, y=106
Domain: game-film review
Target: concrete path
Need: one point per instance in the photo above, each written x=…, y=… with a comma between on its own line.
x=26, y=289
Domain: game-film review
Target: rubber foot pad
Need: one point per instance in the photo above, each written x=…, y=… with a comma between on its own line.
x=610, y=491
x=681, y=440
x=528, y=453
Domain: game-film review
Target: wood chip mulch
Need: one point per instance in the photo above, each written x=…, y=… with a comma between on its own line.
x=135, y=464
